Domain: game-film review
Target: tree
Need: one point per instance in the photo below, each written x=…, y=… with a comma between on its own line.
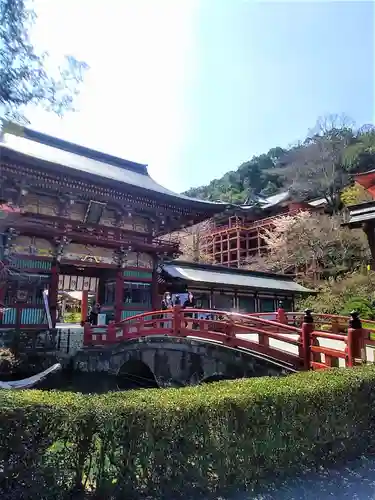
x=317, y=166
x=360, y=155
x=341, y=295
x=352, y=195
x=194, y=242
x=312, y=245
x=24, y=75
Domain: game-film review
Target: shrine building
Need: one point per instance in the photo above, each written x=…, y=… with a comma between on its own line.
x=362, y=215
x=83, y=224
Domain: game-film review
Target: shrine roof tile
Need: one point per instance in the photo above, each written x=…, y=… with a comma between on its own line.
x=360, y=213
x=205, y=273
x=29, y=144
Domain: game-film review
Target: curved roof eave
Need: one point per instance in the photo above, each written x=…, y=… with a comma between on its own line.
x=30, y=145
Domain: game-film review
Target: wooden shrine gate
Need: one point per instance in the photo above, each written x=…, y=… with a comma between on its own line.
x=301, y=340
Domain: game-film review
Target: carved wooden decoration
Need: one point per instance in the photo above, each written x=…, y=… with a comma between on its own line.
x=77, y=211
x=88, y=254
x=145, y=260
x=31, y=203
x=48, y=206
x=108, y=218
x=26, y=245
x=39, y=204
x=126, y=223
x=21, y=295
x=132, y=259
x=140, y=224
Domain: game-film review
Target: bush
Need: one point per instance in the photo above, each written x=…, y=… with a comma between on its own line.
x=72, y=317
x=198, y=439
x=8, y=361
x=337, y=296
x=362, y=306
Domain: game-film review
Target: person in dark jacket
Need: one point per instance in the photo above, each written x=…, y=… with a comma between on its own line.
x=95, y=311
x=166, y=303
x=189, y=303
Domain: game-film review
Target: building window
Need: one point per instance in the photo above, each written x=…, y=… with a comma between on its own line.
x=288, y=304
x=137, y=294
x=246, y=304
x=223, y=302
x=267, y=304
x=202, y=300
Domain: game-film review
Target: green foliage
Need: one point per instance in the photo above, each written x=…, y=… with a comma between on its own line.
x=352, y=195
x=344, y=294
x=26, y=76
x=72, y=317
x=360, y=155
x=360, y=304
x=8, y=361
x=170, y=443
x=318, y=167
x=254, y=177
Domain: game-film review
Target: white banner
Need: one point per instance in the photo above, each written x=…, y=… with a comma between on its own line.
x=46, y=306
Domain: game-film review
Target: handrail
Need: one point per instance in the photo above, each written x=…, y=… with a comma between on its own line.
x=301, y=346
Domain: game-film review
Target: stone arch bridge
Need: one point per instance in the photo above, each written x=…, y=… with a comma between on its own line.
x=181, y=347
x=166, y=361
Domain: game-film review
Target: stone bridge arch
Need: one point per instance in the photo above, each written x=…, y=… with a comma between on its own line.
x=177, y=362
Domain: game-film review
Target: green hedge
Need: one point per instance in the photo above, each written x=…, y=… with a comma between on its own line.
x=156, y=442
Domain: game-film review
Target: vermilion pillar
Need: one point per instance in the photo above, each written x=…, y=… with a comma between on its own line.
x=155, y=302
x=84, y=305
x=119, y=294
x=53, y=292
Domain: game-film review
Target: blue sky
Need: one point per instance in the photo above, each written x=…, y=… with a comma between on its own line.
x=195, y=87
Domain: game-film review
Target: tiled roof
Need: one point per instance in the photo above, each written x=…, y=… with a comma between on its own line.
x=205, y=273
x=28, y=144
x=360, y=213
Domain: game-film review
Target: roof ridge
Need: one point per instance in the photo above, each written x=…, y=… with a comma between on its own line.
x=71, y=147
x=219, y=267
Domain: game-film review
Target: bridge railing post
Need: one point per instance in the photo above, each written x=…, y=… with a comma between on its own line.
x=281, y=316
x=111, y=332
x=229, y=330
x=87, y=334
x=335, y=326
x=306, y=330
x=177, y=320
x=356, y=347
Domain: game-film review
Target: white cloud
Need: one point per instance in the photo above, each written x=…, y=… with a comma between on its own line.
x=142, y=55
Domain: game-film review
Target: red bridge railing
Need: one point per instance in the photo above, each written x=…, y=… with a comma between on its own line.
x=302, y=340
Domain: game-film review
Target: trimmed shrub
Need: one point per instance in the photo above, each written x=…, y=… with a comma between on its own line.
x=199, y=439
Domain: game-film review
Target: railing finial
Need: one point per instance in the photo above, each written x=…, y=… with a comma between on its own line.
x=354, y=321
x=308, y=316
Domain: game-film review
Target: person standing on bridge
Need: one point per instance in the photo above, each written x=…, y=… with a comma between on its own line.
x=166, y=303
x=95, y=311
x=189, y=303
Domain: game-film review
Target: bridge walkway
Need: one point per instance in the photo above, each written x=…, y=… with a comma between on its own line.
x=302, y=340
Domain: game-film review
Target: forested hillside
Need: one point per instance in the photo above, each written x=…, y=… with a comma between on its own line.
x=320, y=166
